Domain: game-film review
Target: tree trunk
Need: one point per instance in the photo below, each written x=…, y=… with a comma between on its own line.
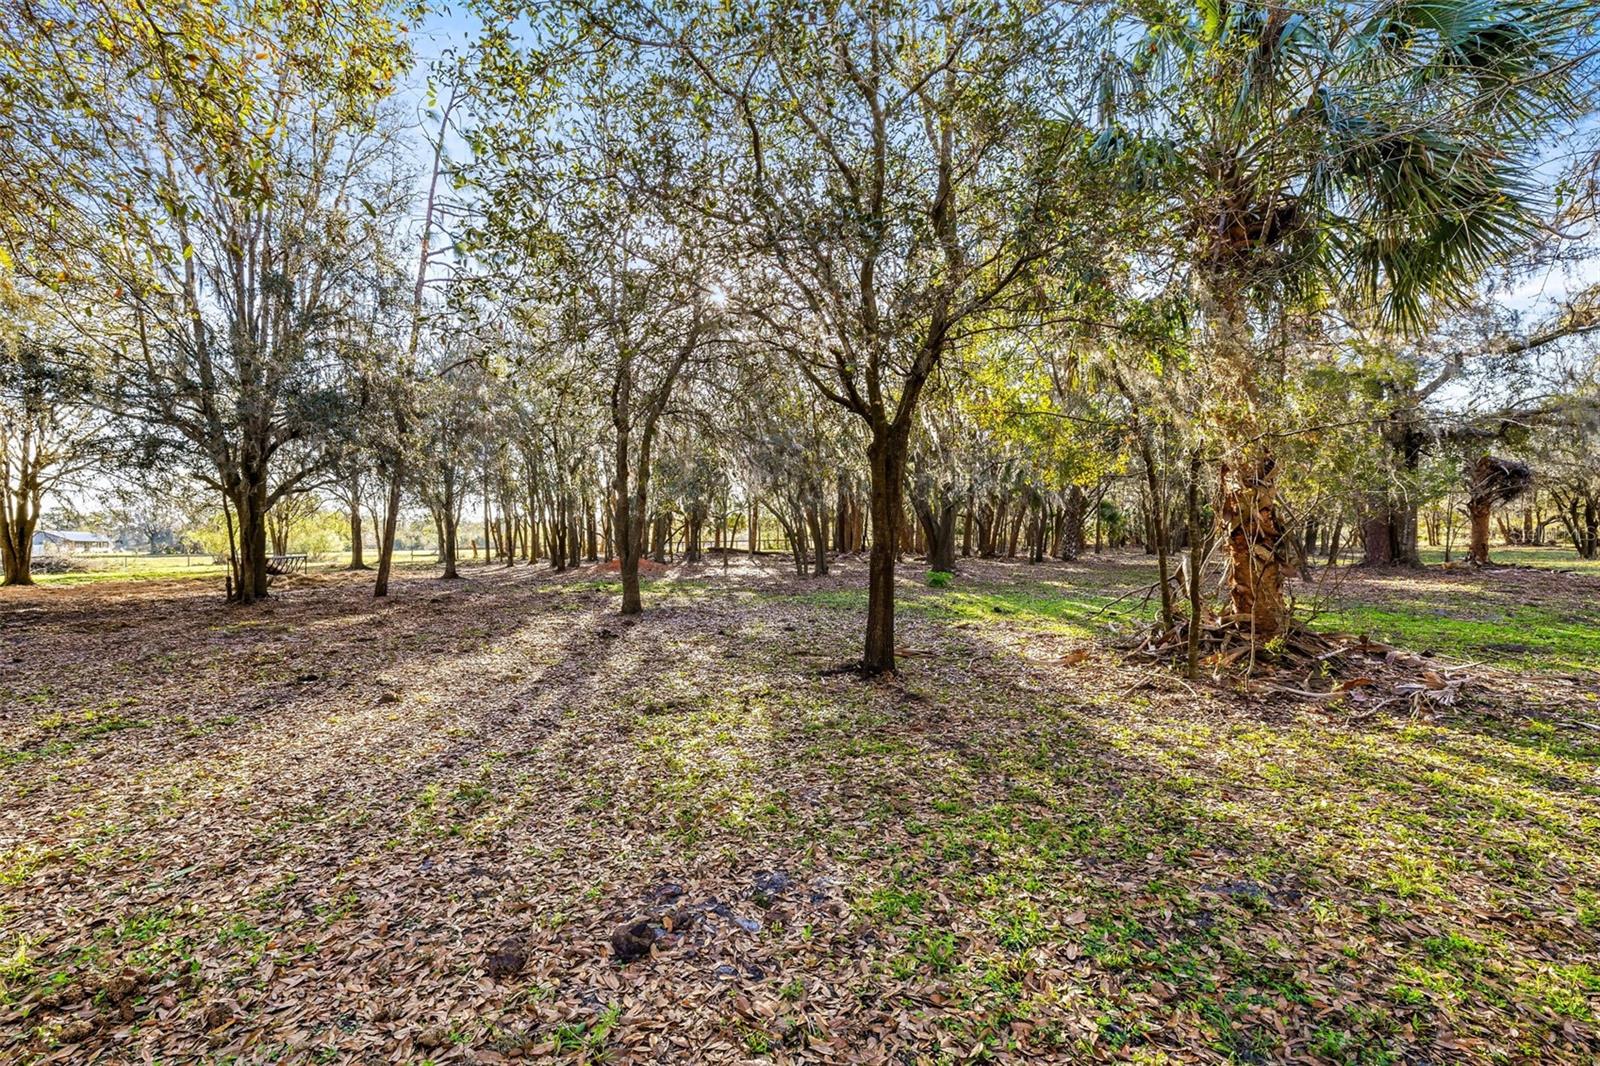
x=886, y=461
x=358, y=560
x=691, y=534
x=939, y=530
x=1377, y=539
x=660, y=531
x=18, y=565
x=794, y=530
x=574, y=539
x=626, y=530
x=447, y=542
x=1075, y=511
x=1158, y=518
x=1478, y=512
x=1196, y=560
x=817, y=519
x=1019, y=513
x=250, y=504
x=391, y=521
x=1256, y=545
x=16, y=538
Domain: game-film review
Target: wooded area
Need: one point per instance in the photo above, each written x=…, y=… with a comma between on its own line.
x=839, y=532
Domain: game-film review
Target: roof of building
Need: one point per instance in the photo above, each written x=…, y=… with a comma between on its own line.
x=76, y=536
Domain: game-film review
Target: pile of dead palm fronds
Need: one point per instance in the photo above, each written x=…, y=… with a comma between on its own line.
x=1225, y=643
x=1332, y=667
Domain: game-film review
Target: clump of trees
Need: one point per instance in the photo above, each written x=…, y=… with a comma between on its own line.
x=992, y=280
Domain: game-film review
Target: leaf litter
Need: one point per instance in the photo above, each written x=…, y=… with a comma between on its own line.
x=468, y=825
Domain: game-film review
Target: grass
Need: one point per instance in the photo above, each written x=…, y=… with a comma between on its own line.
x=1474, y=622
x=1045, y=604
x=137, y=568
x=125, y=568
x=1538, y=638
x=1545, y=558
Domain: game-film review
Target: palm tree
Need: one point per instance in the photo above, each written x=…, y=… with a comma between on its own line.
x=1323, y=155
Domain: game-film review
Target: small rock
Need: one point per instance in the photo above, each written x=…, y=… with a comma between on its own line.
x=665, y=892
x=75, y=1030
x=507, y=961
x=767, y=886
x=122, y=985
x=632, y=940
x=1236, y=889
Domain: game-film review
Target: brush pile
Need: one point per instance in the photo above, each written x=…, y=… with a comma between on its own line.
x=1366, y=674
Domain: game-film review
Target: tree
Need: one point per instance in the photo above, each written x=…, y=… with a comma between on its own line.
x=228, y=176
x=1491, y=482
x=50, y=430
x=586, y=177
x=892, y=173
x=1311, y=156
x=447, y=422
x=1402, y=382
x=399, y=380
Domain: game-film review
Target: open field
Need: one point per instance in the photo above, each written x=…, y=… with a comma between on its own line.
x=330, y=830
x=102, y=569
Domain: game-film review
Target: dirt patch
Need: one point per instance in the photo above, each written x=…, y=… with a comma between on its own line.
x=647, y=568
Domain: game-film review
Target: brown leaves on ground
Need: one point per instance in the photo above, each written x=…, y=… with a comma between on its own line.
x=463, y=825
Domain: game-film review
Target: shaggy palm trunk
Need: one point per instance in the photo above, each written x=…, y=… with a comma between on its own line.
x=1075, y=514
x=1248, y=501
x=1478, y=512
x=1256, y=544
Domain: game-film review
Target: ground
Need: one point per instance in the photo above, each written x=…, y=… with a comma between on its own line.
x=323, y=829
